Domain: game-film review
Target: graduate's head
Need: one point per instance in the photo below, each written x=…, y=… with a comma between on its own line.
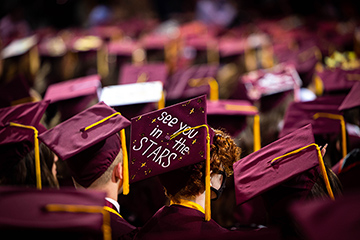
x=90, y=144
x=20, y=150
x=190, y=181
x=112, y=173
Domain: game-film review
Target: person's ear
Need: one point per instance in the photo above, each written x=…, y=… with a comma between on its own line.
x=117, y=173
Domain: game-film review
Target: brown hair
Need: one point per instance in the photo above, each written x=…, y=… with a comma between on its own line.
x=224, y=153
x=23, y=173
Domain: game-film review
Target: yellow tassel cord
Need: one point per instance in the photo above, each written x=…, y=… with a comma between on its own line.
x=256, y=124
x=106, y=229
x=23, y=100
x=34, y=59
x=189, y=204
x=161, y=103
x=102, y=61
x=257, y=137
x=343, y=128
x=126, y=187
x=207, y=170
x=124, y=150
x=319, y=86
x=109, y=209
x=36, y=149
x=214, y=86
x=321, y=164
x=212, y=55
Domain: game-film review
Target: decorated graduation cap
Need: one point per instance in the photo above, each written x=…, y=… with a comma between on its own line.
x=131, y=73
x=279, y=163
x=231, y=115
x=19, y=129
x=89, y=142
x=169, y=139
x=325, y=219
x=265, y=82
x=352, y=99
x=322, y=113
x=73, y=96
x=193, y=82
x=56, y=214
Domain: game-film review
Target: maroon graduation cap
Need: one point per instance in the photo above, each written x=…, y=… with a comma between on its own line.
x=88, y=142
x=231, y=46
x=264, y=82
x=19, y=129
x=281, y=163
x=231, y=116
x=131, y=73
x=326, y=219
x=322, y=113
x=73, y=96
x=193, y=82
x=56, y=214
x=169, y=139
x=337, y=79
x=352, y=99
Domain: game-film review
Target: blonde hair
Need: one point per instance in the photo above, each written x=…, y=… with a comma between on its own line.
x=106, y=176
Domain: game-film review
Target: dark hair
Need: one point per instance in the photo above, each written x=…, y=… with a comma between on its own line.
x=190, y=180
x=23, y=173
x=319, y=189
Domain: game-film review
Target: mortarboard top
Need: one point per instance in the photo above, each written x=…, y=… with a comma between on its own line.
x=337, y=79
x=74, y=95
x=325, y=219
x=52, y=213
x=131, y=73
x=278, y=163
x=264, y=82
x=155, y=41
x=19, y=129
x=18, y=47
x=135, y=93
x=123, y=47
x=79, y=87
x=159, y=146
x=88, y=141
x=352, y=99
x=231, y=46
x=192, y=82
x=322, y=113
x=231, y=115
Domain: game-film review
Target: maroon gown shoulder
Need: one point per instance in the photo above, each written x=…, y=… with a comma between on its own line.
x=176, y=220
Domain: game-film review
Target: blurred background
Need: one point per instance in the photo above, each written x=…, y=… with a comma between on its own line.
x=236, y=43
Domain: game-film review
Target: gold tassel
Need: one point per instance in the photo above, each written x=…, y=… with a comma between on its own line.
x=343, y=127
x=36, y=150
x=321, y=164
x=207, y=169
x=257, y=137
